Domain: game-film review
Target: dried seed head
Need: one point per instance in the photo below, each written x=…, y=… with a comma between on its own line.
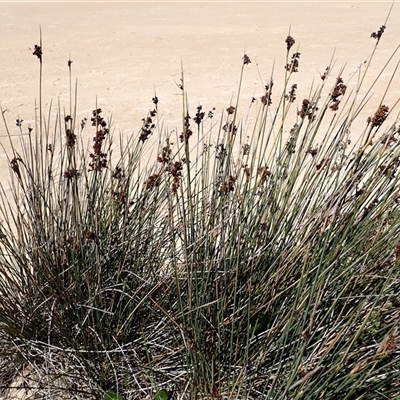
x=153, y=181
x=246, y=59
x=15, y=166
x=325, y=74
x=230, y=110
x=312, y=151
x=246, y=170
x=71, y=173
x=38, y=52
x=294, y=63
x=307, y=110
x=90, y=235
x=289, y=42
x=397, y=251
x=199, y=115
x=246, y=149
x=379, y=116
x=71, y=138
x=228, y=186
x=165, y=156
x=291, y=96
x=378, y=35
x=229, y=127
x=118, y=173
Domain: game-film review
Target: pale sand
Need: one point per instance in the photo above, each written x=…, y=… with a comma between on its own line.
x=123, y=52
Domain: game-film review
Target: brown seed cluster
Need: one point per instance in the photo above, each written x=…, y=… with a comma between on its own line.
x=397, y=251
x=148, y=126
x=165, y=156
x=289, y=42
x=230, y=110
x=266, y=98
x=246, y=170
x=294, y=63
x=379, y=116
x=38, y=52
x=307, y=110
x=175, y=169
x=246, y=149
x=339, y=90
x=228, y=186
x=153, y=181
x=71, y=173
x=291, y=96
x=90, y=235
x=69, y=133
x=15, y=166
x=199, y=115
x=246, y=60
x=99, y=158
x=230, y=128
x=325, y=74
x=187, y=132
x=377, y=35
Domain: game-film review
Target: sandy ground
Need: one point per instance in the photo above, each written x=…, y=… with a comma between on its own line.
x=125, y=52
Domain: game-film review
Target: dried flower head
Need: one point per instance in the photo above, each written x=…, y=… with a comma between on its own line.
x=175, y=169
x=153, y=181
x=199, y=115
x=289, y=42
x=312, y=151
x=147, y=128
x=291, y=96
x=98, y=156
x=71, y=173
x=118, y=173
x=15, y=166
x=339, y=90
x=71, y=138
x=230, y=110
x=69, y=62
x=377, y=35
x=187, y=132
x=294, y=63
x=228, y=186
x=165, y=155
x=18, y=122
x=229, y=127
x=220, y=151
x=379, y=116
x=246, y=60
x=38, y=52
x=246, y=149
x=246, y=170
x=90, y=235
x=266, y=98
x=307, y=110
x=397, y=251
x=325, y=74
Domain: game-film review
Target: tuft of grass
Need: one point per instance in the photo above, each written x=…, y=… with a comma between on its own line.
x=227, y=268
